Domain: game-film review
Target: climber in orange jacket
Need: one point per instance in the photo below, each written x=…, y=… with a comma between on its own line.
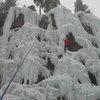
x=66, y=44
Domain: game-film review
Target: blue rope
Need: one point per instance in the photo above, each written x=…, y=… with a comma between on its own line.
x=16, y=71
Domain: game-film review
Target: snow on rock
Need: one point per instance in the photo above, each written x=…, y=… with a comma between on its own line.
x=90, y=52
x=90, y=20
x=23, y=48
x=97, y=39
x=31, y=69
x=73, y=68
x=49, y=73
x=7, y=68
x=60, y=50
x=87, y=92
x=59, y=19
x=81, y=57
x=29, y=17
x=93, y=67
x=97, y=52
x=72, y=25
x=28, y=33
x=53, y=36
x=19, y=92
x=63, y=83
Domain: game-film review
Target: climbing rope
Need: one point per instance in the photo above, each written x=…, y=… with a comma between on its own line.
x=16, y=71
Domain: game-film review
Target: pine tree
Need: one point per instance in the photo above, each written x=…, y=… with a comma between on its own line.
x=79, y=6
x=9, y=3
x=32, y=7
x=50, y=4
x=47, y=4
x=39, y=4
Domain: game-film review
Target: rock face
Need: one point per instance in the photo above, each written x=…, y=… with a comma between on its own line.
x=18, y=23
x=16, y=18
x=49, y=73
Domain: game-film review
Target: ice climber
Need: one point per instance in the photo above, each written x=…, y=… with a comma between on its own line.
x=66, y=44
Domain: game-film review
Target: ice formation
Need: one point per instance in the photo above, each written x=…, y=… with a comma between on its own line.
x=48, y=73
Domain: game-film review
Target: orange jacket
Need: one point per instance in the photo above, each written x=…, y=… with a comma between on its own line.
x=66, y=41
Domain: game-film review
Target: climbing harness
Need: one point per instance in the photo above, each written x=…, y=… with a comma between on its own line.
x=17, y=71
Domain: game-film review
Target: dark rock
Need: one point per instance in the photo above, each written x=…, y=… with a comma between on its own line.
x=50, y=66
x=53, y=21
x=92, y=78
x=40, y=78
x=73, y=46
x=87, y=28
x=18, y=23
x=43, y=23
x=32, y=7
x=79, y=81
